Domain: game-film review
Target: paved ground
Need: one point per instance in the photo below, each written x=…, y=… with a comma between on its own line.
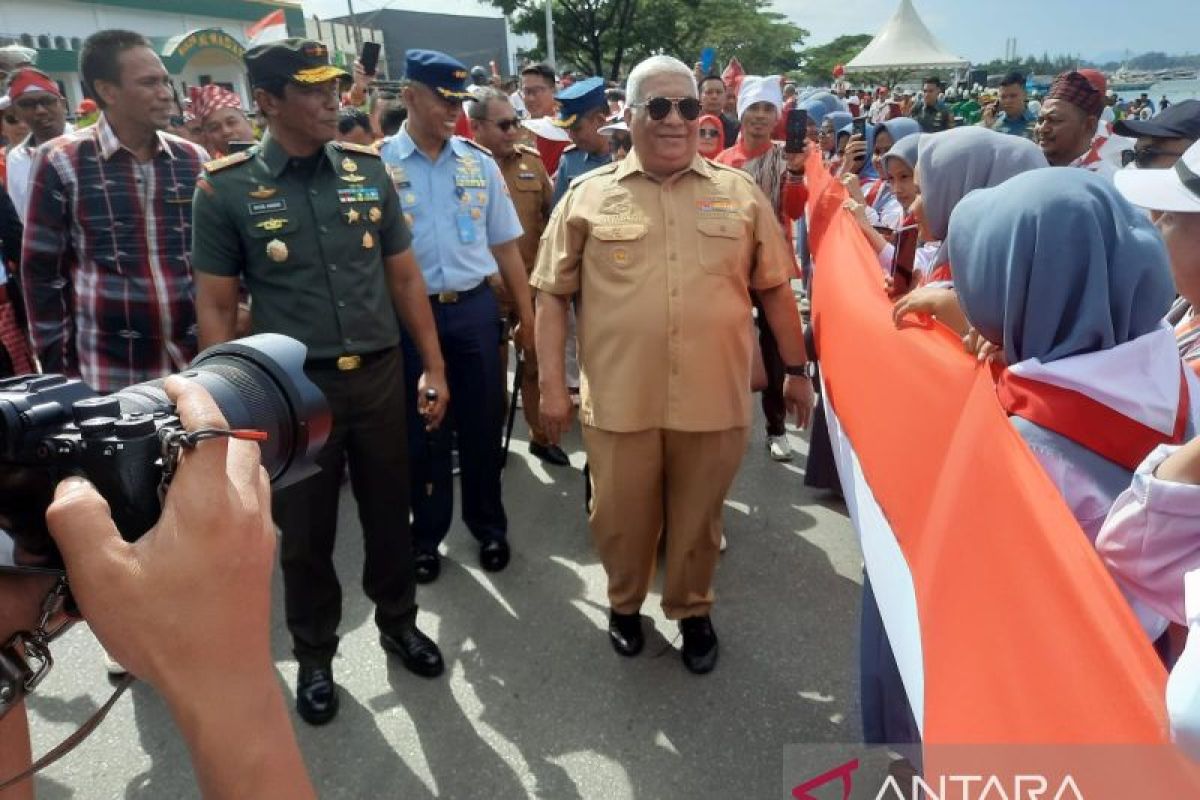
x=534, y=702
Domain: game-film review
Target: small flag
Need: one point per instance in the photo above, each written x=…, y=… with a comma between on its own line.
x=271, y=28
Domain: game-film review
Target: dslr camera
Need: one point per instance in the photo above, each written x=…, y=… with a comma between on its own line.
x=127, y=443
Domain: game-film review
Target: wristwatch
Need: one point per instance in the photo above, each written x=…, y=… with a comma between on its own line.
x=806, y=370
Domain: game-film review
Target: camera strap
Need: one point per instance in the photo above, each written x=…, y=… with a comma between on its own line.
x=25, y=661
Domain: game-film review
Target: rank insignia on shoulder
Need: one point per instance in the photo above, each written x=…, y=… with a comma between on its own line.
x=475, y=144
x=228, y=161
x=362, y=149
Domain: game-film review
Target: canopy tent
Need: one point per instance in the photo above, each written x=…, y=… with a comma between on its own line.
x=905, y=43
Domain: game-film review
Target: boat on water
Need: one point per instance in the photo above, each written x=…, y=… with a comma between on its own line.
x=1125, y=80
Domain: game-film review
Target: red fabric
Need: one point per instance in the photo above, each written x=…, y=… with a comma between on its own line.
x=550, y=151
x=462, y=126
x=1088, y=422
x=207, y=99
x=780, y=131
x=13, y=339
x=1077, y=90
x=31, y=80
x=1025, y=636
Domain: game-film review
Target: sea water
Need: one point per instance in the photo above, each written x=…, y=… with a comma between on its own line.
x=1174, y=90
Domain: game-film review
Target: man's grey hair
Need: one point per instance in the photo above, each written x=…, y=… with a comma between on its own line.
x=656, y=65
x=477, y=106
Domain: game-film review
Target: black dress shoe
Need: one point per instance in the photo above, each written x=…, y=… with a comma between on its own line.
x=625, y=633
x=418, y=652
x=550, y=453
x=699, y=644
x=493, y=555
x=316, y=695
x=427, y=566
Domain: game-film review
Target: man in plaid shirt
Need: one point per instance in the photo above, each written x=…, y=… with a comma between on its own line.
x=106, y=262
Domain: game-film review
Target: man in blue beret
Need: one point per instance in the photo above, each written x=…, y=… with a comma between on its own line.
x=464, y=227
x=583, y=111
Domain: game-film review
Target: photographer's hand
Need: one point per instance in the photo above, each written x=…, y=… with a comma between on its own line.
x=187, y=606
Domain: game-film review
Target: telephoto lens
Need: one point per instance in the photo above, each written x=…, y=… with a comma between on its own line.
x=259, y=383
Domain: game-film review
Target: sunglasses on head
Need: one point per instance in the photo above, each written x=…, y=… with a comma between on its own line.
x=505, y=125
x=659, y=107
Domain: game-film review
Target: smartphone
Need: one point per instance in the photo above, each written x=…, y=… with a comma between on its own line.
x=237, y=147
x=369, y=57
x=904, y=253
x=797, y=131
x=860, y=127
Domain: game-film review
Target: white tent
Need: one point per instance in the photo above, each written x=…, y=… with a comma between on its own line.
x=904, y=43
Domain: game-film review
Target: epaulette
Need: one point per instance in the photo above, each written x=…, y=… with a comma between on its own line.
x=527, y=150
x=218, y=164
x=474, y=144
x=361, y=149
x=607, y=169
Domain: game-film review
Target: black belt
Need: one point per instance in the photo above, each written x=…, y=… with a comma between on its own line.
x=450, y=298
x=349, y=362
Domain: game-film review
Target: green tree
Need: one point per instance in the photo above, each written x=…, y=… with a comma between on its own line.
x=606, y=37
x=817, y=63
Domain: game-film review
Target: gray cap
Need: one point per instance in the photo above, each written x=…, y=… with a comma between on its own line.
x=15, y=55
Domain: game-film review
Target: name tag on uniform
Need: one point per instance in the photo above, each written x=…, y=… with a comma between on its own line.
x=359, y=194
x=267, y=206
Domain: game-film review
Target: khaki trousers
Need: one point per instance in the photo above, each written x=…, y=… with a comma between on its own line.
x=655, y=481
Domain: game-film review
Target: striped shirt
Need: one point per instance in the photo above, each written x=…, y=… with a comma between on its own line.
x=106, y=260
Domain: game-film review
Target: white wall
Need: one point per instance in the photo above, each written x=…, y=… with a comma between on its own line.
x=65, y=18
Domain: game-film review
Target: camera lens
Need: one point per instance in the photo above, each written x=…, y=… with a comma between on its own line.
x=258, y=383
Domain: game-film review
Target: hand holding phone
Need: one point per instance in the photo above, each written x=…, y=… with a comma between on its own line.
x=369, y=57
x=797, y=131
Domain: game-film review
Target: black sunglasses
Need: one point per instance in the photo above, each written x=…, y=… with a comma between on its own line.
x=1144, y=158
x=659, y=107
x=505, y=125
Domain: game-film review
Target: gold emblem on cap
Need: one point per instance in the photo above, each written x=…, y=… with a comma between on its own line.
x=262, y=193
x=349, y=165
x=368, y=240
x=277, y=251
x=273, y=224
x=352, y=216
x=374, y=214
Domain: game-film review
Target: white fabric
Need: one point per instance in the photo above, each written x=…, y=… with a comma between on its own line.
x=19, y=167
x=759, y=89
x=543, y=127
x=904, y=43
x=1149, y=541
x=1183, y=685
x=891, y=578
x=1139, y=379
x=518, y=104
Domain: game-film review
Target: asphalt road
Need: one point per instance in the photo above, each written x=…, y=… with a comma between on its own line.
x=534, y=703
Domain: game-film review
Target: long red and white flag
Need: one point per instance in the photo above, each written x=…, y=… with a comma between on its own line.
x=1007, y=628
x=271, y=28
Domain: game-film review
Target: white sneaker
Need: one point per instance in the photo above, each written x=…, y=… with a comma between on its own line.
x=724, y=543
x=779, y=448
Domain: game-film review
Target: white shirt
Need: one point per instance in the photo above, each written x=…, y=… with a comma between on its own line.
x=19, y=163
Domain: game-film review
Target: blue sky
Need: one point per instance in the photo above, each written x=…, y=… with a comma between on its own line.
x=975, y=29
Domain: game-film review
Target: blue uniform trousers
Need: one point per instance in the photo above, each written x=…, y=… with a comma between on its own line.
x=469, y=332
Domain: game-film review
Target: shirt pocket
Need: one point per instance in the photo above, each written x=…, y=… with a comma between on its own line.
x=721, y=243
x=272, y=237
x=618, y=247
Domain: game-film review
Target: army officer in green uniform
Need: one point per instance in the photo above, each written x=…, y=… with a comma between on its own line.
x=314, y=228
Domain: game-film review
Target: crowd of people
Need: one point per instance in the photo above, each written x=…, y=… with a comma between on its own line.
x=634, y=249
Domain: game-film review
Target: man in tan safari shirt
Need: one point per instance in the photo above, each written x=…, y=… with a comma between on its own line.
x=662, y=249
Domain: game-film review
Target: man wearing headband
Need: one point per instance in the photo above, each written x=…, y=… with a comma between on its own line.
x=665, y=246
x=1067, y=122
x=219, y=114
x=36, y=100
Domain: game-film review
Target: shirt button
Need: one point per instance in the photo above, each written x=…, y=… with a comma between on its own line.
x=333, y=267
x=341, y=303
x=348, y=341
x=313, y=192
x=324, y=229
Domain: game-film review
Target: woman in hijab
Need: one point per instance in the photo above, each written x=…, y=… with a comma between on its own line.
x=832, y=141
x=950, y=165
x=712, y=136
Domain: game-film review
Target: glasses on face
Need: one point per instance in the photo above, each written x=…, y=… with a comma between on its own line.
x=709, y=133
x=30, y=103
x=1145, y=157
x=659, y=107
x=505, y=125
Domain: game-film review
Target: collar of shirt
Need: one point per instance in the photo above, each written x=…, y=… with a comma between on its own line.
x=110, y=145
x=277, y=159
x=404, y=146
x=631, y=164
